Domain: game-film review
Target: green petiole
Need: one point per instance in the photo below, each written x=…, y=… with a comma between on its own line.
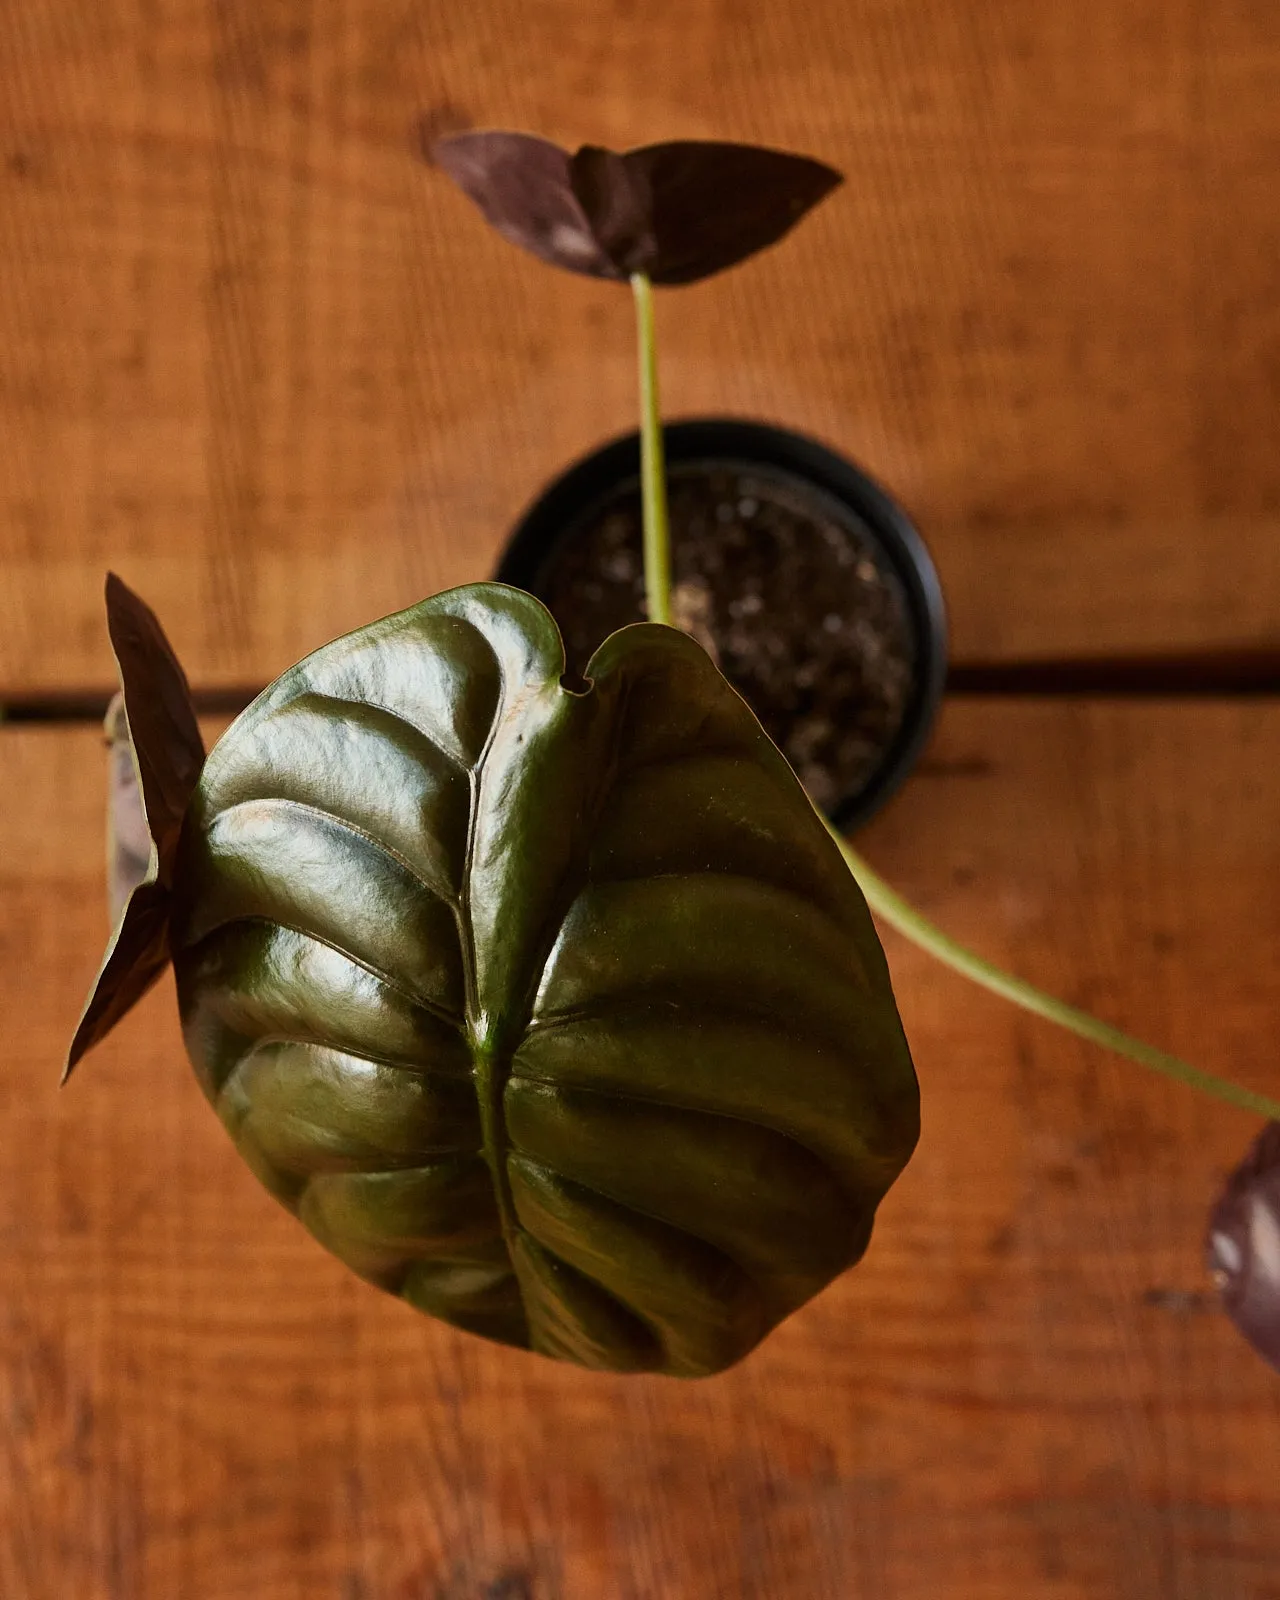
x=898, y=913
x=653, y=471
x=884, y=901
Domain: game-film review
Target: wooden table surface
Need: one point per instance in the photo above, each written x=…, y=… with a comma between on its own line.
x=257, y=357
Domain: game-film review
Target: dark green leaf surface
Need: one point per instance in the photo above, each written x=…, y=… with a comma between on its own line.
x=555, y=1013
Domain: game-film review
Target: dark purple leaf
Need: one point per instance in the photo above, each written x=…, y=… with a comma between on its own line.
x=618, y=203
x=1244, y=1245
x=162, y=720
x=128, y=839
x=155, y=733
x=678, y=212
x=522, y=185
x=135, y=959
x=713, y=205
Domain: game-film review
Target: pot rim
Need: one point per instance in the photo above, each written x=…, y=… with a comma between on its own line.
x=596, y=475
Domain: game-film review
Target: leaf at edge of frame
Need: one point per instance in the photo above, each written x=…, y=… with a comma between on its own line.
x=1245, y=1218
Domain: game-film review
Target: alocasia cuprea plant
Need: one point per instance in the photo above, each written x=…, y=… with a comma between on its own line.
x=548, y=1006
x=670, y=214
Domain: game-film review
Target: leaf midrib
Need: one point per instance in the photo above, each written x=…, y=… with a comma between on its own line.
x=494, y=1053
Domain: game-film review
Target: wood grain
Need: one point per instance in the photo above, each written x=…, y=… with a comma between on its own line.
x=1023, y=1391
x=265, y=363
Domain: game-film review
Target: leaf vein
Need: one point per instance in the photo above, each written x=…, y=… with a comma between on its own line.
x=419, y=1001
x=670, y=1100
x=417, y=1069
x=455, y=756
x=649, y=1216
x=446, y=897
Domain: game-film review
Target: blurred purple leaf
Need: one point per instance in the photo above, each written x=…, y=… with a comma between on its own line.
x=1244, y=1245
x=523, y=187
x=677, y=212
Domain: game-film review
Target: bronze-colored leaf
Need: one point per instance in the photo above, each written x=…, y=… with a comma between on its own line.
x=155, y=758
x=678, y=212
x=1244, y=1245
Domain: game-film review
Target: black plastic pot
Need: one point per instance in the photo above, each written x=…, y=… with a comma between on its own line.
x=838, y=490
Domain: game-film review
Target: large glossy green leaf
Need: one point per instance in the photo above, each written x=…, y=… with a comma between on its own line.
x=554, y=1011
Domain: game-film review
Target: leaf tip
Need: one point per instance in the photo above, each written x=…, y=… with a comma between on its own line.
x=87, y=1034
x=436, y=125
x=440, y=149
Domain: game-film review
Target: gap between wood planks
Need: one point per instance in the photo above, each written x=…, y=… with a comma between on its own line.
x=1222, y=674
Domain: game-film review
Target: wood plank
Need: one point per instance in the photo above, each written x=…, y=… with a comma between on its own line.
x=265, y=363
x=1022, y=1391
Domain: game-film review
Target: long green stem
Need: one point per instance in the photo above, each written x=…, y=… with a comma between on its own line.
x=653, y=472
x=883, y=900
x=896, y=911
